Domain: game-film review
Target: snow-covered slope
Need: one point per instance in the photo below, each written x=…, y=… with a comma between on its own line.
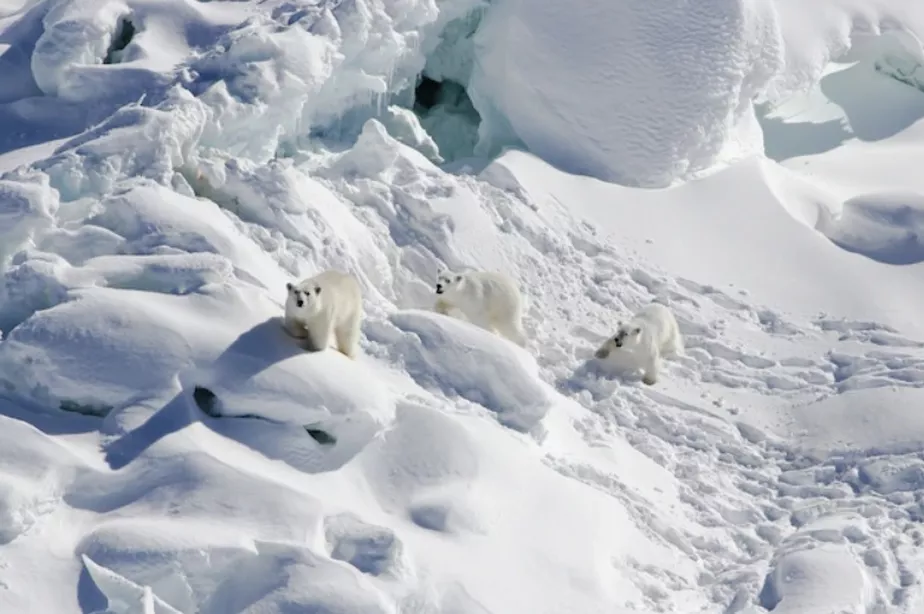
x=170, y=164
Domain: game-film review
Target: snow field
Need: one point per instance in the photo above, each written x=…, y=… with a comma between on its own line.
x=641, y=416
x=145, y=260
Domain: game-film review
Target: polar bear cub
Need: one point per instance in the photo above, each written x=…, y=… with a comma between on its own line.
x=650, y=334
x=328, y=304
x=491, y=300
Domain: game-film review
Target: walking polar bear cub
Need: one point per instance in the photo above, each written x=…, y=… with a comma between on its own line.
x=491, y=300
x=324, y=306
x=650, y=334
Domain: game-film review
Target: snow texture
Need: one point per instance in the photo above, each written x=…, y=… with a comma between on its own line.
x=167, y=166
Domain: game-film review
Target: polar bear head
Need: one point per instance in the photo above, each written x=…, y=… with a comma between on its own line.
x=627, y=336
x=304, y=298
x=449, y=283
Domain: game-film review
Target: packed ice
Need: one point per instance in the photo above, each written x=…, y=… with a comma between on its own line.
x=168, y=166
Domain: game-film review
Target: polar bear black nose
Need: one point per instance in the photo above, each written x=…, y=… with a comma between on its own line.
x=300, y=302
x=439, y=288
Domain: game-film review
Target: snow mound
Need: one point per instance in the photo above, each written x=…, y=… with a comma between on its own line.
x=461, y=359
x=643, y=96
x=124, y=596
x=27, y=205
x=265, y=373
x=426, y=464
x=156, y=553
x=816, y=578
x=106, y=346
x=76, y=34
x=602, y=89
x=888, y=228
x=446, y=474
x=873, y=419
x=144, y=254
x=283, y=577
x=35, y=470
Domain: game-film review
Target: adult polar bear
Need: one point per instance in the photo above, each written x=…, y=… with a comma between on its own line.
x=491, y=300
x=650, y=334
x=328, y=304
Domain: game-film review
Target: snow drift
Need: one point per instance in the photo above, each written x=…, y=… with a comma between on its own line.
x=205, y=153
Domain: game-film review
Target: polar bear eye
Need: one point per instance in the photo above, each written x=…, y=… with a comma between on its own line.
x=317, y=289
x=458, y=278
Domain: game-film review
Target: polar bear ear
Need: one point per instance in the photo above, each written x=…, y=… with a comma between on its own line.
x=458, y=278
x=636, y=330
x=289, y=286
x=317, y=289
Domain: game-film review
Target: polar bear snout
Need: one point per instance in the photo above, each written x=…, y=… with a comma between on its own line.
x=439, y=288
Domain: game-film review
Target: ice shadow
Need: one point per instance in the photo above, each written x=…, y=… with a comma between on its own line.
x=90, y=598
x=873, y=118
x=16, y=60
x=48, y=421
x=306, y=447
x=909, y=250
x=39, y=119
x=888, y=229
x=894, y=108
x=783, y=140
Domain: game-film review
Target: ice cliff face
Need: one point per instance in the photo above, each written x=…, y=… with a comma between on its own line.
x=637, y=93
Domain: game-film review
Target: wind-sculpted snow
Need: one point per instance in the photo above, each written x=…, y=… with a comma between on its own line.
x=77, y=35
x=167, y=447
x=466, y=361
x=647, y=95
x=630, y=98
x=669, y=96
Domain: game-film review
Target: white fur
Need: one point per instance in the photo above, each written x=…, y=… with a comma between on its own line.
x=491, y=300
x=332, y=306
x=651, y=334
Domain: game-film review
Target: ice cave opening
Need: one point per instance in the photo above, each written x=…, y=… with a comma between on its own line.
x=123, y=35
x=429, y=108
x=447, y=114
x=438, y=100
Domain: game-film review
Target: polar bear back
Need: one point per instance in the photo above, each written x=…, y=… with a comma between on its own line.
x=340, y=292
x=658, y=323
x=493, y=292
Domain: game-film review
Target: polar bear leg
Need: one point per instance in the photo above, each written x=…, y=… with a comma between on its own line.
x=512, y=330
x=651, y=369
x=674, y=347
x=318, y=337
x=347, y=335
x=442, y=307
x=295, y=329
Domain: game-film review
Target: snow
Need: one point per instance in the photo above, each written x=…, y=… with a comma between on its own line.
x=169, y=165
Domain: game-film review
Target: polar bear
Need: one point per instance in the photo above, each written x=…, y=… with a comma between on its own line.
x=330, y=303
x=491, y=300
x=650, y=334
